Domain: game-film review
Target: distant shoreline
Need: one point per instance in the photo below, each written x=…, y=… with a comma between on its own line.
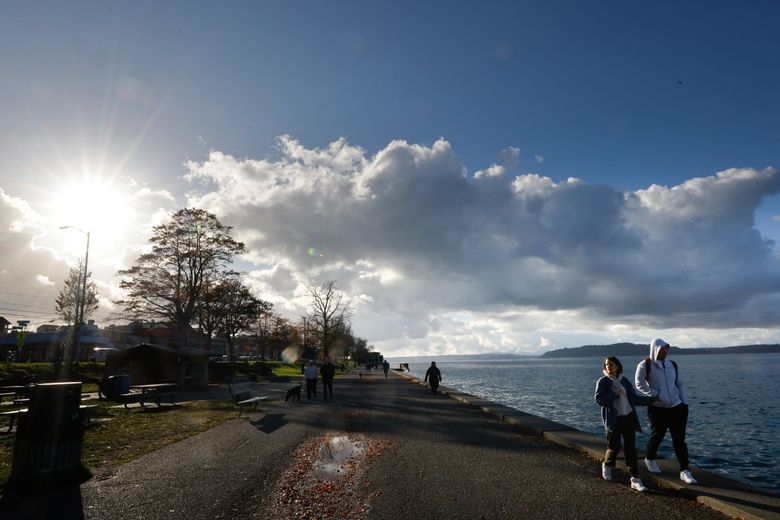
x=616, y=349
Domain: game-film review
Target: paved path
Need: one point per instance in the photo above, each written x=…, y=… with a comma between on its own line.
x=446, y=461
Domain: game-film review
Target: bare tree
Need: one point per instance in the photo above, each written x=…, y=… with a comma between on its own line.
x=329, y=312
x=168, y=282
x=69, y=300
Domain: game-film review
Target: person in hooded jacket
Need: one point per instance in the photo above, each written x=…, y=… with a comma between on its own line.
x=617, y=397
x=658, y=376
x=433, y=375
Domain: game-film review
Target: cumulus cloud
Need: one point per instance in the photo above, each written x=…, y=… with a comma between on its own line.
x=26, y=270
x=412, y=237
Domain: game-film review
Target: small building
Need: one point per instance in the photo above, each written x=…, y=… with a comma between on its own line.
x=147, y=363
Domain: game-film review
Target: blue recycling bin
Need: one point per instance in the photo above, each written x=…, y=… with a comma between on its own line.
x=117, y=385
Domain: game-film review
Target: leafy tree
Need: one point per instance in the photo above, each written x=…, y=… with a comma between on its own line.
x=207, y=320
x=283, y=334
x=329, y=312
x=362, y=349
x=167, y=283
x=236, y=309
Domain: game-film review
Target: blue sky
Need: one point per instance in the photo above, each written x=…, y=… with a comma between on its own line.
x=134, y=96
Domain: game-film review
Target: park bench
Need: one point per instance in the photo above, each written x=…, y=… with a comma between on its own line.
x=242, y=395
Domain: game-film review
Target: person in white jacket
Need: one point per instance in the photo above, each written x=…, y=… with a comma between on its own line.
x=659, y=377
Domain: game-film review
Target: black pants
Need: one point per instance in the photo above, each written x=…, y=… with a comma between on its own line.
x=434, y=385
x=673, y=419
x=327, y=388
x=311, y=388
x=623, y=428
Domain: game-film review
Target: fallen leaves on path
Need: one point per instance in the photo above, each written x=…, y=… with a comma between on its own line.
x=323, y=486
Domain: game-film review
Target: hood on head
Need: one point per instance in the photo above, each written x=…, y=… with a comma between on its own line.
x=655, y=346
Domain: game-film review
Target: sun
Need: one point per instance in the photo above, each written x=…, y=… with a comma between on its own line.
x=94, y=205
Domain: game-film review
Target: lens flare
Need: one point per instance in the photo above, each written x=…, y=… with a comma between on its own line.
x=291, y=354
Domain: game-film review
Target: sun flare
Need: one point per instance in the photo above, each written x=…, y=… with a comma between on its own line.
x=95, y=206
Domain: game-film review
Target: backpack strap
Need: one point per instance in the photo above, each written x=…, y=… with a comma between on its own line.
x=649, y=363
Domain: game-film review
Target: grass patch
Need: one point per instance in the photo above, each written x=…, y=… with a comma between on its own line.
x=285, y=369
x=119, y=435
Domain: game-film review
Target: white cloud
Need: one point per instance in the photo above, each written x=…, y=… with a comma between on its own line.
x=44, y=280
x=27, y=270
x=437, y=260
x=411, y=236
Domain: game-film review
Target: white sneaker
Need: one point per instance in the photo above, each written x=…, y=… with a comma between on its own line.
x=606, y=472
x=686, y=477
x=652, y=466
x=637, y=484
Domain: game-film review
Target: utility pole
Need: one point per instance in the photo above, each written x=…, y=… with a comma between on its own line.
x=79, y=318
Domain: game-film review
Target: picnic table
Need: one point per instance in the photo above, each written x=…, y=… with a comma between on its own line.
x=151, y=391
x=86, y=411
x=18, y=391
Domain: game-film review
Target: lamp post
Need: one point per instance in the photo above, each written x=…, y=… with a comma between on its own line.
x=80, y=309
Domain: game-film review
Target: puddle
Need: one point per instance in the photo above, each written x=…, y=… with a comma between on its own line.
x=337, y=457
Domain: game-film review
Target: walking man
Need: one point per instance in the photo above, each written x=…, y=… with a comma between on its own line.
x=310, y=374
x=659, y=377
x=328, y=371
x=433, y=375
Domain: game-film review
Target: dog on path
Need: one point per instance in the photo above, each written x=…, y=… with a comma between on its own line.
x=294, y=393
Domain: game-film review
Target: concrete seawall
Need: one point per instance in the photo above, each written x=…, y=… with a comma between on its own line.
x=728, y=496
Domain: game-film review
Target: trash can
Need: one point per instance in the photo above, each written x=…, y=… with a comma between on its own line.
x=117, y=385
x=49, y=436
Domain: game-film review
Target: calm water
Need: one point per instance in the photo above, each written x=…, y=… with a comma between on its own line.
x=734, y=424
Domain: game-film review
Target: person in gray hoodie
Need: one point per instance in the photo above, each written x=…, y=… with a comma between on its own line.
x=658, y=377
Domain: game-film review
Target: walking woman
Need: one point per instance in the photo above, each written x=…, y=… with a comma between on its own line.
x=433, y=375
x=617, y=397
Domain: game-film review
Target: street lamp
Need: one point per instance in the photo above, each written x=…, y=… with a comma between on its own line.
x=80, y=311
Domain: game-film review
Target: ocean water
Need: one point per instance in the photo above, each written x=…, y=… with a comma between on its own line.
x=734, y=421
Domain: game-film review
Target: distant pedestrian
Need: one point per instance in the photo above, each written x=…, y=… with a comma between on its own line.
x=328, y=372
x=310, y=375
x=385, y=367
x=617, y=397
x=433, y=376
x=659, y=377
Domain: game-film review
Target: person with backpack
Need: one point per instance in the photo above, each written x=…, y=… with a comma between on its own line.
x=659, y=377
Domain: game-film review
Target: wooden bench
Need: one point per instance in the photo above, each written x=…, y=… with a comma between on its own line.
x=242, y=395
